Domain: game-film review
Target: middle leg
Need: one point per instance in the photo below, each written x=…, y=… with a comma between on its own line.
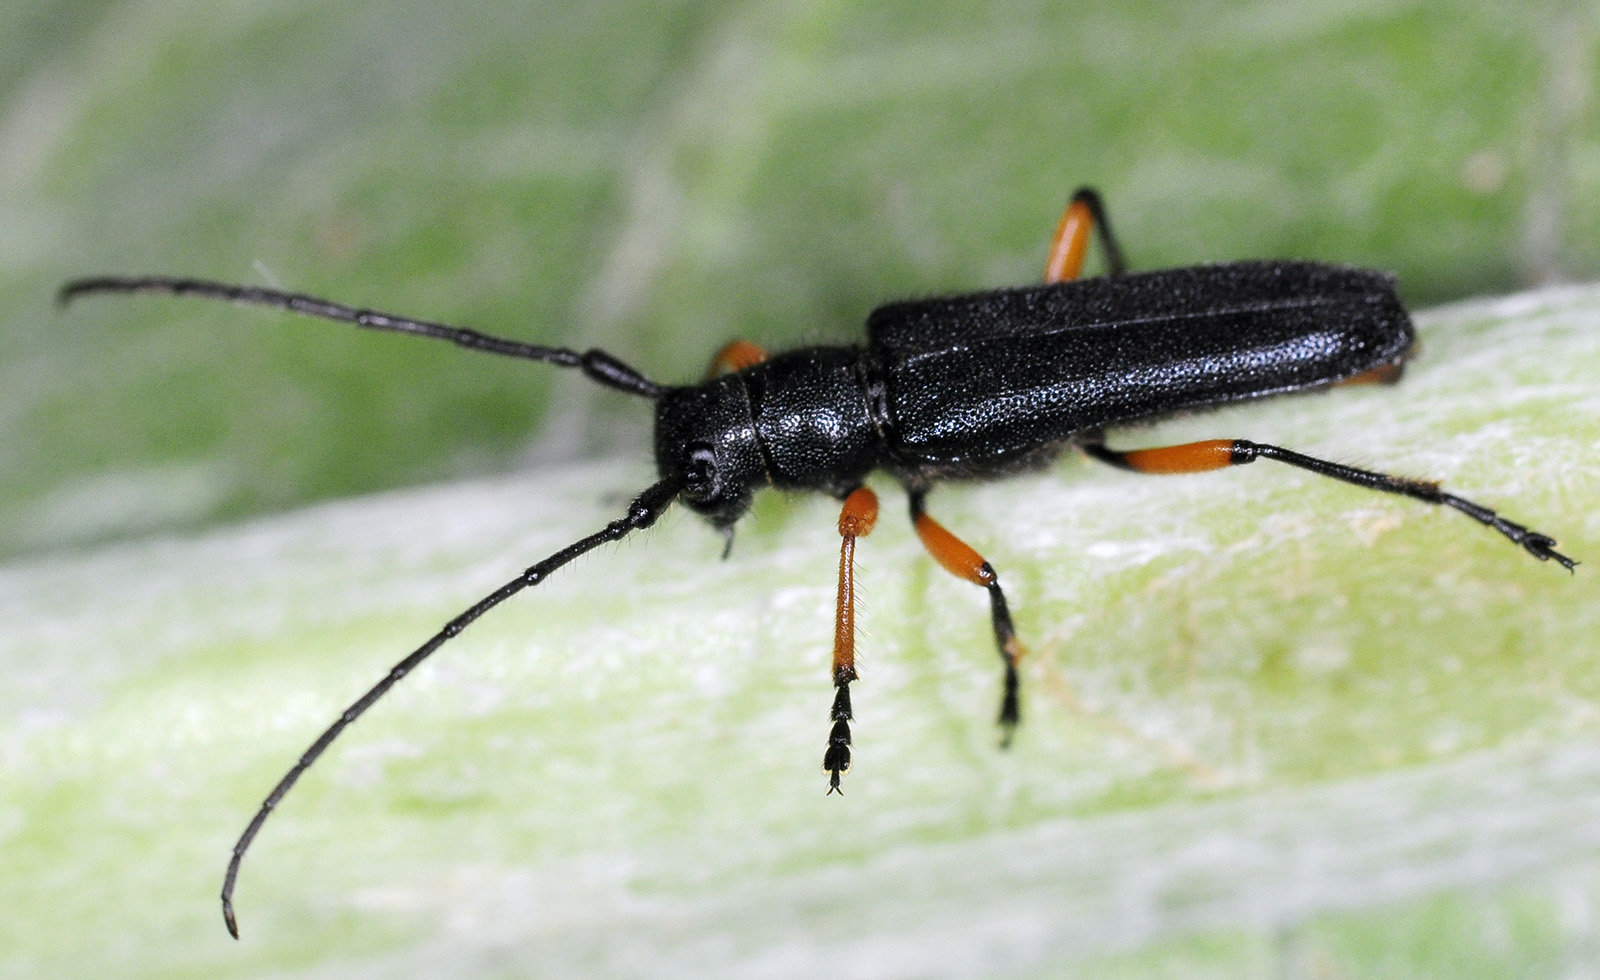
x=959, y=559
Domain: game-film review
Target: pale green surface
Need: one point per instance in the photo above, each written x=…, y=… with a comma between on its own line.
x=658, y=177
x=1313, y=729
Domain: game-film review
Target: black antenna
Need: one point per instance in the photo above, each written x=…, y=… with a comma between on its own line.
x=597, y=365
x=642, y=513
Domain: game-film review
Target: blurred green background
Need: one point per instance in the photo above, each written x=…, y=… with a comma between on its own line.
x=659, y=177
x=1277, y=728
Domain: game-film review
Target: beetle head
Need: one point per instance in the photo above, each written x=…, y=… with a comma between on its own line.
x=706, y=439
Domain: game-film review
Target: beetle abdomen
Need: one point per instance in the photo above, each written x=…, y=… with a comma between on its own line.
x=983, y=380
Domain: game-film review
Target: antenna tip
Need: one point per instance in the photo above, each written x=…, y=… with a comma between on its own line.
x=228, y=919
x=68, y=292
x=73, y=288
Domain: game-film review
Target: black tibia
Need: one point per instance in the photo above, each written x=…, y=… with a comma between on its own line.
x=1217, y=453
x=1010, y=647
x=1116, y=263
x=837, y=758
x=1540, y=546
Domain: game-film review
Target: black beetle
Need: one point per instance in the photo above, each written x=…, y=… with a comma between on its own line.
x=971, y=387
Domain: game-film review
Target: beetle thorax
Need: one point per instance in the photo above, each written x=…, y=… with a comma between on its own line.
x=796, y=422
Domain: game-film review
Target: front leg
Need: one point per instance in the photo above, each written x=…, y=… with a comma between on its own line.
x=856, y=520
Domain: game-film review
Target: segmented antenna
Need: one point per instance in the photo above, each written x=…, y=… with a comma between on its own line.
x=596, y=365
x=642, y=513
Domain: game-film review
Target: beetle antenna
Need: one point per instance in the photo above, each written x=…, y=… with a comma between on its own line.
x=642, y=513
x=596, y=365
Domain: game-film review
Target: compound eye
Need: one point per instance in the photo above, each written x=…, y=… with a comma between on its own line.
x=703, y=478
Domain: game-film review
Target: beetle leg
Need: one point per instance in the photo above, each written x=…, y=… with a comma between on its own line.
x=856, y=520
x=735, y=356
x=1213, y=454
x=959, y=559
x=1383, y=374
x=1070, y=243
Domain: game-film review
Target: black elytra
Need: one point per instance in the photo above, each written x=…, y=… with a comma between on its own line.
x=968, y=387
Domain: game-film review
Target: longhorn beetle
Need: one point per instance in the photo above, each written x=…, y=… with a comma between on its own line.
x=971, y=387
